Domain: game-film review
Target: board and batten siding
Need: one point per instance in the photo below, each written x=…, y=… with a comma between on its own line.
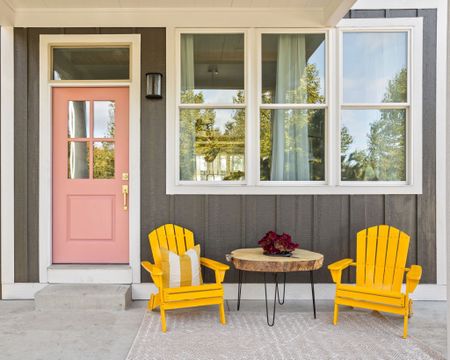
x=324, y=223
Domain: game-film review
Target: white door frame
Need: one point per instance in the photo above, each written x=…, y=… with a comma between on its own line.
x=45, y=145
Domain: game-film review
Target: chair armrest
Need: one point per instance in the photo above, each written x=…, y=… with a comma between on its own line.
x=219, y=268
x=337, y=267
x=413, y=277
x=214, y=265
x=155, y=272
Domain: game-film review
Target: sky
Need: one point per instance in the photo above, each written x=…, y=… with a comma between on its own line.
x=370, y=60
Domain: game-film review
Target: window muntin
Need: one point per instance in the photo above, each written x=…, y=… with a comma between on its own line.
x=212, y=108
x=90, y=63
x=293, y=107
x=374, y=111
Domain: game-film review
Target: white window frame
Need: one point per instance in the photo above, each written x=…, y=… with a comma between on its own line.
x=412, y=106
x=333, y=92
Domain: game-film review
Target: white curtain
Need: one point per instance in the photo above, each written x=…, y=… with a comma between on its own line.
x=187, y=62
x=290, y=143
x=187, y=122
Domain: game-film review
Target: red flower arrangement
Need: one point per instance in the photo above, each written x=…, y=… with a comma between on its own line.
x=274, y=244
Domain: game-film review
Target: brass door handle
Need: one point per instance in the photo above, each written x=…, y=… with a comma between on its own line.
x=125, y=196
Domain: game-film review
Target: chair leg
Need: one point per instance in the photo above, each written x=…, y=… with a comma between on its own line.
x=336, y=313
x=405, y=325
x=154, y=302
x=410, y=311
x=163, y=319
x=222, y=313
x=150, y=302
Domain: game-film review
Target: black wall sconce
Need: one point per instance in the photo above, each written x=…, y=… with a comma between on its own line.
x=154, y=86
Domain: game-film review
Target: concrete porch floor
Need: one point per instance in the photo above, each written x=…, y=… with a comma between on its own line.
x=29, y=334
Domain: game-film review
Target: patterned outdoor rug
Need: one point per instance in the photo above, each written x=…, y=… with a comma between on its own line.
x=199, y=335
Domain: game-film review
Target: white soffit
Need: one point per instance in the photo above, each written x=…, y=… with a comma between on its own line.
x=150, y=13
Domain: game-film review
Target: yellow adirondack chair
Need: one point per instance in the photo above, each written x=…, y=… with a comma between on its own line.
x=381, y=253
x=179, y=240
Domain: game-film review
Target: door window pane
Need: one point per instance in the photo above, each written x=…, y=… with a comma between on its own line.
x=212, y=144
x=212, y=68
x=292, y=145
x=104, y=119
x=375, y=67
x=293, y=68
x=373, y=145
x=78, y=122
x=91, y=63
x=103, y=160
x=78, y=160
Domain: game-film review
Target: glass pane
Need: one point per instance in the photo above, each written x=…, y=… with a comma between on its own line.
x=104, y=119
x=375, y=67
x=103, y=160
x=78, y=122
x=373, y=145
x=78, y=160
x=212, y=68
x=91, y=63
x=293, y=68
x=212, y=144
x=292, y=145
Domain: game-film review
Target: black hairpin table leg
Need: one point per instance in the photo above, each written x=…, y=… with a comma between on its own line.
x=312, y=291
x=240, y=276
x=271, y=323
x=281, y=301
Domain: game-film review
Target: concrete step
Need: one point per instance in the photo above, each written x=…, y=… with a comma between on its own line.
x=83, y=297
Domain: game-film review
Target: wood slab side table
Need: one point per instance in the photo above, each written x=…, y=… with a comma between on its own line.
x=253, y=259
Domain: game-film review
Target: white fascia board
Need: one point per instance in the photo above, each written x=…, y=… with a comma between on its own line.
x=395, y=4
x=177, y=17
x=6, y=14
x=336, y=10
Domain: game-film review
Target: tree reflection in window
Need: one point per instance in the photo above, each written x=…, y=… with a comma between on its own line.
x=212, y=141
x=309, y=91
x=381, y=156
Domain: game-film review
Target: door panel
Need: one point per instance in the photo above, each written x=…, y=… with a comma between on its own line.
x=90, y=157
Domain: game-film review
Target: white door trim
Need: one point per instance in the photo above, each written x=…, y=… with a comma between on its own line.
x=45, y=142
x=7, y=154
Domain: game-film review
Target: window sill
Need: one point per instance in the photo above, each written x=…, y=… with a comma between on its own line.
x=304, y=189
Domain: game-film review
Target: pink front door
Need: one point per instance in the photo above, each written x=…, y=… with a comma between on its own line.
x=90, y=175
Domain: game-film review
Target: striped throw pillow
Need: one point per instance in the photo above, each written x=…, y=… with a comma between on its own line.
x=181, y=270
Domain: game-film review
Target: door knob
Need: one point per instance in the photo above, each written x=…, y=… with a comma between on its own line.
x=125, y=196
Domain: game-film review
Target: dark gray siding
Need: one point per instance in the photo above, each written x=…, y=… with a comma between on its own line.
x=222, y=223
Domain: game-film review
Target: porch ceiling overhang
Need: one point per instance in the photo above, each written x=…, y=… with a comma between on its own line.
x=140, y=13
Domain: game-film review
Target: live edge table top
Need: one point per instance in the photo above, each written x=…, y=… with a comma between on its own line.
x=253, y=259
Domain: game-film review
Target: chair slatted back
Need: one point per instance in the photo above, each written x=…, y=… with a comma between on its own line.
x=381, y=253
x=172, y=237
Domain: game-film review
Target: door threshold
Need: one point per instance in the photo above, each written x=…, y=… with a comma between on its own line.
x=89, y=274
